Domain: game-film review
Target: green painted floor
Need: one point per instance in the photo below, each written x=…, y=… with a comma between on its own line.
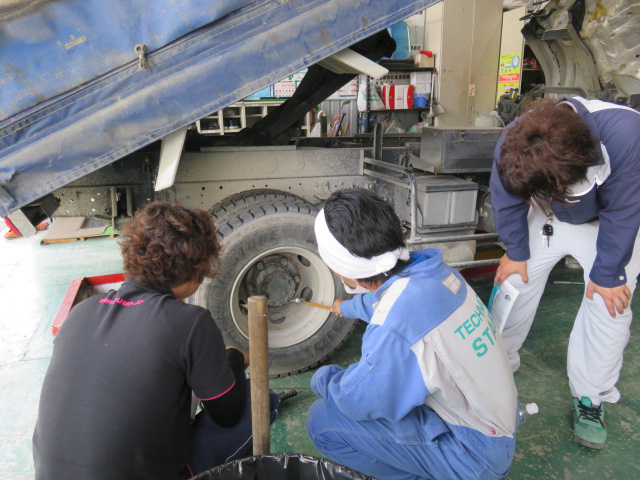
x=34, y=279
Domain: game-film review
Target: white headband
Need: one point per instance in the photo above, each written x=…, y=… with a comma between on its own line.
x=345, y=263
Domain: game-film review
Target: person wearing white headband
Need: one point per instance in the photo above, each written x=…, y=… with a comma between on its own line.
x=353, y=267
x=432, y=395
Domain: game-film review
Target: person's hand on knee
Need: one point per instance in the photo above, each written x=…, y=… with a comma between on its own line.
x=616, y=298
x=509, y=267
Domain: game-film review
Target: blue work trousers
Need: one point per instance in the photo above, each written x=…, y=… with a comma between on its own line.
x=211, y=445
x=420, y=446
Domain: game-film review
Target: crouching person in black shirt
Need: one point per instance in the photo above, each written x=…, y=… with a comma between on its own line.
x=116, y=398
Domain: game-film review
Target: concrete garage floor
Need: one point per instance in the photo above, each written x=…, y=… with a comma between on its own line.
x=34, y=279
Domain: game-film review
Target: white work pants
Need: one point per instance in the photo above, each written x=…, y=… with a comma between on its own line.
x=597, y=340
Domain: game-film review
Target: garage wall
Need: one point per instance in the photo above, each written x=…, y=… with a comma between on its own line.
x=465, y=34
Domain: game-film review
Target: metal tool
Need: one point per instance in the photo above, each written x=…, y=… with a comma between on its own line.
x=282, y=396
x=300, y=300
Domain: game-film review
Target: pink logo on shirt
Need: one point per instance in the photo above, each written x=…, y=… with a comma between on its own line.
x=122, y=302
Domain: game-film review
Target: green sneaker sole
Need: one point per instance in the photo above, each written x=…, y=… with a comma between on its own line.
x=586, y=443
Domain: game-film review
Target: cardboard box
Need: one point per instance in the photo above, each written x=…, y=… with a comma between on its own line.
x=424, y=61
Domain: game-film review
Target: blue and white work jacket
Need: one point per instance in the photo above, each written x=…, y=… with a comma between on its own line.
x=610, y=192
x=430, y=341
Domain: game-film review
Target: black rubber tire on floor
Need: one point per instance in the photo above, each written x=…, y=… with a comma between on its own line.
x=246, y=233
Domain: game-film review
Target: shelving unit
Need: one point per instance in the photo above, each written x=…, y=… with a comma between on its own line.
x=239, y=115
x=530, y=76
x=399, y=73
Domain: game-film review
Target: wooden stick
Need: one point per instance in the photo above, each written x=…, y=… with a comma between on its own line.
x=259, y=373
x=316, y=305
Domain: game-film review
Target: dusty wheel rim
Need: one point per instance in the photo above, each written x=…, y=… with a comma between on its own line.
x=291, y=323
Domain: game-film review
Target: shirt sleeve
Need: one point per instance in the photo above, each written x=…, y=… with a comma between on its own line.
x=619, y=198
x=360, y=306
x=208, y=372
x=226, y=410
x=385, y=383
x=509, y=213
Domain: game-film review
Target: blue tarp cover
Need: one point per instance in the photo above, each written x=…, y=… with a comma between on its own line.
x=73, y=97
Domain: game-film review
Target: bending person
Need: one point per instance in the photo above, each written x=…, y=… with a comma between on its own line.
x=116, y=398
x=572, y=169
x=432, y=395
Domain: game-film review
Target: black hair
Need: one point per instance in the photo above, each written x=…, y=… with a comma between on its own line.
x=366, y=226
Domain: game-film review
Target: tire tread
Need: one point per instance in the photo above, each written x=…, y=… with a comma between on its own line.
x=240, y=209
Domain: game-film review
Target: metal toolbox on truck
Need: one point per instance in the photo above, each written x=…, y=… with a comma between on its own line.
x=457, y=150
x=443, y=202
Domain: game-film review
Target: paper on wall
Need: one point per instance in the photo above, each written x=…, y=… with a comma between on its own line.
x=501, y=302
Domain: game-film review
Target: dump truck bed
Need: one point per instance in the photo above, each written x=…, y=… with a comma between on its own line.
x=75, y=95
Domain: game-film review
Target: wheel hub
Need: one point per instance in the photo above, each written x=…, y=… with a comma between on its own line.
x=278, y=288
x=273, y=277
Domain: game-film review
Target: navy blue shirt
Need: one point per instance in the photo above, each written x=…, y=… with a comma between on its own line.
x=610, y=193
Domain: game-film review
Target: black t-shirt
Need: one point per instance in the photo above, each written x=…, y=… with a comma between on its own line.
x=115, y=402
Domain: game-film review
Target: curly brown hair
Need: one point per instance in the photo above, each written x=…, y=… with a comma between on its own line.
x=545, y=152
x=168, y=245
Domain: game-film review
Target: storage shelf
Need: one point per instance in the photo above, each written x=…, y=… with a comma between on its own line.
x=253, y=110
x=395, y=66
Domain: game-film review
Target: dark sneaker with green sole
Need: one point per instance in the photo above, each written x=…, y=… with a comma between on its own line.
x=588, y=423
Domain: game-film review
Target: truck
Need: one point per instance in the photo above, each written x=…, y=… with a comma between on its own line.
x=100, y=103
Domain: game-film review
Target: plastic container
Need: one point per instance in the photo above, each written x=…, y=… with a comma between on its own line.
x=281, y=466
x=362, y=124
x=525, y=411
x=420, y=100
x=400, y=33
x=491, y=119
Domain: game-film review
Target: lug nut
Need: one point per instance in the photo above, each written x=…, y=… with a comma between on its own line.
x=259, y=266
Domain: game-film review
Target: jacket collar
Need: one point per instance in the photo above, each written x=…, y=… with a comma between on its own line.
x=424, y=263
x=587, y=118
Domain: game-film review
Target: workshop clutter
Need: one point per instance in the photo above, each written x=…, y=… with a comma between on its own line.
x=395, y=91
x=368, y=96
x=396, y=97
x=421, y=83
x=425, y=59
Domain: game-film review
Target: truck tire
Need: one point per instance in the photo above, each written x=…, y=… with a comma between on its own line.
x=229, y=206
x=268, y=248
